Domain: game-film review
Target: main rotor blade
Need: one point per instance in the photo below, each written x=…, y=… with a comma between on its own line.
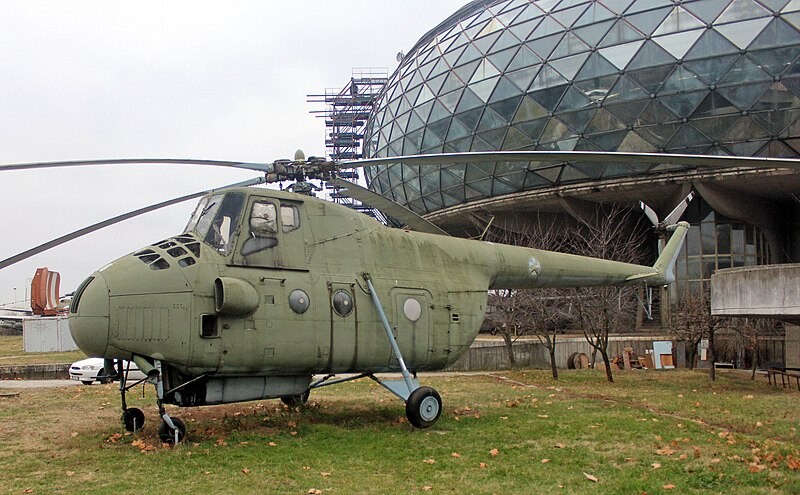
x=578, y=156
x=387, y=206
x=111, y=221
x=262, y=167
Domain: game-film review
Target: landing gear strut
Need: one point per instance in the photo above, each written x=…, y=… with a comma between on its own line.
x=132, y=417
x=423, y=404
x=172, y=430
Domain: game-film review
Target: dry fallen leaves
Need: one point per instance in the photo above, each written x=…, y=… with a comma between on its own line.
x=494, y=452
x=142, y=446
x=427, y=488
x=656, y=465
x=545, y=461
x=591, y=477
x=455, y=454
x=665, y=451
x=668, y=486
x=429, y=461
x=314, y=491
x=113, y=438
x=245, y=471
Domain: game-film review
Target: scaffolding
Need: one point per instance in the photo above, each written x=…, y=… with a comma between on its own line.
x=346, y=113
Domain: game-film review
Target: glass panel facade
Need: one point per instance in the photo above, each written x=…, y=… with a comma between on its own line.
x=672, y=76
x=715, y=242
x=682, y=76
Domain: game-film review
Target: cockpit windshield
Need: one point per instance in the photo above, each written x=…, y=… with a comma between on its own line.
x=215, y=220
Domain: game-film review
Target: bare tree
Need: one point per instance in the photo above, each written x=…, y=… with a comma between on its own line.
x=742, y=340
x=603, y=310
x=690, y=321
x=597, y=311
x=540, y=312
x=505, y=317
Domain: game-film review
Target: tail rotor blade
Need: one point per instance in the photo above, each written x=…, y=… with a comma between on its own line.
x=676, y=213
x=649, y=213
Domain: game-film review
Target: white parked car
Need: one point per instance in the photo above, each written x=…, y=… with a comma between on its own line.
x=87, y=371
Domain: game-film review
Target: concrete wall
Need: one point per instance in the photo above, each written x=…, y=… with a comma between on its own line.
x=35, y=372
x=759, y=291
x=47, y=334
x=530, y=353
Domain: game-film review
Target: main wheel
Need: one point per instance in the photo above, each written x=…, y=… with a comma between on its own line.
x=102, y=378
x=423, y=407
x=296, y=400
x=167, y=434
x=133, y=418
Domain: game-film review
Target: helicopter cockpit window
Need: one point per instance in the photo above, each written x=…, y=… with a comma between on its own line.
x=263, y=228
x=263, y=219
x=290, y=218
x=216, y=218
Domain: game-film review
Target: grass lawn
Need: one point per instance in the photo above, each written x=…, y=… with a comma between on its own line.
x=506, y=432
x=11, y=353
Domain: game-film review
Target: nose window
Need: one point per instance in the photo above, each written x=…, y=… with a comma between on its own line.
x=76, y=298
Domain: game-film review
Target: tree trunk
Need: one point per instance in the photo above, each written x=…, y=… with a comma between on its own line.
x=712, y=355
x=692, y=354
x=609, y=375
x=509, y=349
x=552, y=350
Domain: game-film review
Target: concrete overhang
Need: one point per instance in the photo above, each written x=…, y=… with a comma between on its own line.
x=770, y=291
x=660, y=191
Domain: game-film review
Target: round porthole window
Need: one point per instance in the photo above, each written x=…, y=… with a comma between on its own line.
x=342, y=303
x=298, y=301
x=412, y=309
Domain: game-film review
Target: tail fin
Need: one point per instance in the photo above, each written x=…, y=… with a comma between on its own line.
x=665, y=264
x=663, y=272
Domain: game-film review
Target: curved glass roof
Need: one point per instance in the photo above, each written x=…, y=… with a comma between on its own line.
x=682, y=76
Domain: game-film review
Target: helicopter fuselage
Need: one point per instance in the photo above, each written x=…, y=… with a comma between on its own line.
x=266, y=288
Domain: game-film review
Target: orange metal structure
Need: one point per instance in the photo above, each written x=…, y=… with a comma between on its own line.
x=44, y=292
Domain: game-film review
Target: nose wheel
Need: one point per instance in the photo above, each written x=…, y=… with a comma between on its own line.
x=172, y=434
x=171, y=430
x=133, y=419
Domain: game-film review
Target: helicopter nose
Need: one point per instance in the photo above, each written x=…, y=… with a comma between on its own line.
x=88, y=316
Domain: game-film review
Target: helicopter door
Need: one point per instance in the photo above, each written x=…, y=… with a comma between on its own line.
x=412, y=324
x=271, y=235
x=343, y=345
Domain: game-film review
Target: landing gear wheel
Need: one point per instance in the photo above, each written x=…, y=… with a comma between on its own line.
x=167, y=434
x=133, y=419
x=296, y=400
x=102, y=378
x=423, y=407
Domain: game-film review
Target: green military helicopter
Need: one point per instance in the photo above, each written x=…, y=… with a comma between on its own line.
x=270, y=294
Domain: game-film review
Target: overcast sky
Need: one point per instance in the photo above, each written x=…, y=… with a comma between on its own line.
x=200, y=79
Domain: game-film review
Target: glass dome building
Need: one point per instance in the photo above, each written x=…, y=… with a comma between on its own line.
x=715, y=77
